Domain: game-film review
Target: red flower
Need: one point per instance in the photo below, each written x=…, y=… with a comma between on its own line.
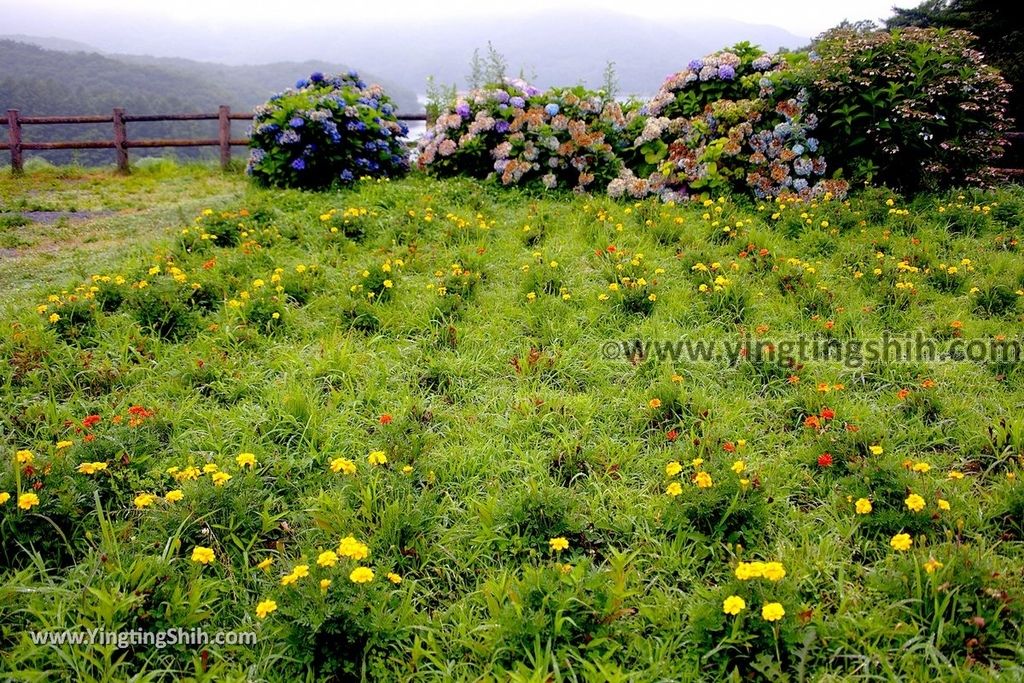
x=902, y=394
x=825, y=460
x=91, y=421
x=827, y=413
x=385, y=419
x=89, y=437
x=729, y=447
x=812, y=421
x=672, y=434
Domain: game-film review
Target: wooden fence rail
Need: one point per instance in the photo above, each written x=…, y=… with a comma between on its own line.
x=121, y=143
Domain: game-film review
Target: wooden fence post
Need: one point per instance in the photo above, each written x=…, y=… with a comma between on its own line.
x=14, y=137
x=224, y=135
x=120, y=140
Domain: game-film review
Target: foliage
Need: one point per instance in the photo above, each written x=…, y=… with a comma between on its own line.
x=911, y=108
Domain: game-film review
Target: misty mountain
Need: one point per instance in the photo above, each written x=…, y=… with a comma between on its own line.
x=557, y=47
x=206, y=83
x=53, y=82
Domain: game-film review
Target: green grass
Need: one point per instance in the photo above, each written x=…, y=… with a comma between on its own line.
x=485, y=342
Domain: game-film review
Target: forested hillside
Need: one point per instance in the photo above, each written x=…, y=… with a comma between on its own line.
x=48, y=82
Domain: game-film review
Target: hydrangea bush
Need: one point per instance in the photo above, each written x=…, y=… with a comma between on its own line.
x=730, y=120
x=564, y=137
x=913, y=108
x=326, y=131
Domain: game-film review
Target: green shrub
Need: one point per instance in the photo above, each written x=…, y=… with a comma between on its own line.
x=910, y=108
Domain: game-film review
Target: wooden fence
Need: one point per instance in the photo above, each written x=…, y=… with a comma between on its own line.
x=120, y=143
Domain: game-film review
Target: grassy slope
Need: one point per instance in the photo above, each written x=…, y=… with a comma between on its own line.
x=515, y=430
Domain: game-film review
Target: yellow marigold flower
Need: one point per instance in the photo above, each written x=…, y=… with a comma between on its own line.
x=4, y=497
x=863, y=506
x=703, y=480
x=876, y=450
x=654, y=403
x=673, y=468
x=697, y=462
x=921, y=467
x=773, y=571
x=343, y=465
x=144, y=500
x=86, y=468
x=246, y=460
x=932, y=564
x=739, y=467
x=289, y=579
x=325, y=584
x=559, y=543
x=210, y=469
x=220, y=478
x=773, y=611
x=901, y=542
x=265, y=563
x=327, y=558
x=407, y=469
x=914, y=502
x=351, y=548
x=174, y=496
x=377, y=458
x=394, y=578
x=943, y=504
x=674, y=489
x=733, y=605
x=54, y=318
x=24, y=457
x=61, y=445
x=955, y=474
x=301, y=571
x=264, y=608
x=749, y=570
x=361, y=575
x=27, y=500
x=202, y=555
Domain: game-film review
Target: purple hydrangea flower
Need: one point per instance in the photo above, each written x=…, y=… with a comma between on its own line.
x=726, y=72
x=501, y=96
x=695, y=65
x=517, y=102
x=462, y=109
x=501, y=126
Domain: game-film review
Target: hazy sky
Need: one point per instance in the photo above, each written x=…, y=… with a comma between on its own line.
x=804, y=17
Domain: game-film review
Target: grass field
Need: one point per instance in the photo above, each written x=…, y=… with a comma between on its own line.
x=404, y=432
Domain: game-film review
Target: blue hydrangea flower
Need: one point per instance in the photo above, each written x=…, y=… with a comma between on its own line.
x=299, y=165
x=812, y=144
x=346, y=176
x=552, y=109
x=297, y=122
x=316, y=77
